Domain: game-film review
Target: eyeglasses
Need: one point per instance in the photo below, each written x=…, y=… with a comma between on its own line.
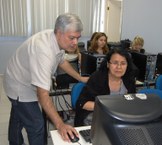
x=116, y=63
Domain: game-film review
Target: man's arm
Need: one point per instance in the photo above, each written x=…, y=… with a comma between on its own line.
x=66, y=66
x=46, y=103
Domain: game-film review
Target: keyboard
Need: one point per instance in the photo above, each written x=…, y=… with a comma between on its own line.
x=86, y=135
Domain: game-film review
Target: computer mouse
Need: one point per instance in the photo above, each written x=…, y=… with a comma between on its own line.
x=75, y=139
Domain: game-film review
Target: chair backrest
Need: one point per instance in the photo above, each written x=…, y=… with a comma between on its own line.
x=75, y=92
x=151, y=91
x=159, y=82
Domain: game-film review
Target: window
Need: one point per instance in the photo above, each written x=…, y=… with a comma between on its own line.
x=13, y=18
x=26, y=17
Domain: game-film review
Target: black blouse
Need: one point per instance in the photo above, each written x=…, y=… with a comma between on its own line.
x=97, y=85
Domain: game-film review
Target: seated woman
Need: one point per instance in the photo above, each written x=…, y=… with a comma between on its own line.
x=99, y=44
x=115, y=76
x=89, y=41
x=137, y=44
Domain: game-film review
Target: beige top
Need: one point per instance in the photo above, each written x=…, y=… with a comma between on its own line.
x=32, y=65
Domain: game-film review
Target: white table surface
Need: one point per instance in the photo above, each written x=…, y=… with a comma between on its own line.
x=57, y=140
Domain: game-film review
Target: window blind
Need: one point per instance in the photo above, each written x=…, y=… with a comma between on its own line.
x=27, y=17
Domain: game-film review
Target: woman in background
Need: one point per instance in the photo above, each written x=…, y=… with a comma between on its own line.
x=89, y=41
x=115, y=76
x=93, y=35
x=137, y=44
x=99, y=44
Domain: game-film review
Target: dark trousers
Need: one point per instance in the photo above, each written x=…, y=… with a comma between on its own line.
x=26, y=115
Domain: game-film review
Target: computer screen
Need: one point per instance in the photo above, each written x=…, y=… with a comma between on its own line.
x=125, y=44
x=90, y=62
x=112, y=45
x=159, y=64
x=62, y=79
x=133, y=119
x=146, y=63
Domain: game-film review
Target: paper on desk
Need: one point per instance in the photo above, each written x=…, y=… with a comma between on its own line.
x=57, y=140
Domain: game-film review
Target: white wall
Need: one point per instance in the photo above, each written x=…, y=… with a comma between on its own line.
x=140, y=17
x=143, y=17
x=7, y=48
x=113, y=26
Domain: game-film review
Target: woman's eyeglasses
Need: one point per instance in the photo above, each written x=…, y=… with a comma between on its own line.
x=116, y=63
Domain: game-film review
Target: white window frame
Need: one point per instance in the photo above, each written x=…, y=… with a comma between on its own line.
x=27, y=17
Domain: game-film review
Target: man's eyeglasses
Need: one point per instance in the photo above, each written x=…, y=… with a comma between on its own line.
x=116, y=63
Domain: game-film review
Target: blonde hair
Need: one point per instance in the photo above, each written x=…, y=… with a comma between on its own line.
x=138, y=40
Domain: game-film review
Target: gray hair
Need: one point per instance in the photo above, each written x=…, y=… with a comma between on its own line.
x=68, y=21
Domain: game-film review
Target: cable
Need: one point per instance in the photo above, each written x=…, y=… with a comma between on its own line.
x=68, y=109
x=63, y=110
x=67, y=104
x=60, y=104
x=79, y=143
x=57, y=100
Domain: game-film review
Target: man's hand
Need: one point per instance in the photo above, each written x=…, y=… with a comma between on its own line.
x=84, y=79
x=66, y=66
x=51, y=112
x=63, y=129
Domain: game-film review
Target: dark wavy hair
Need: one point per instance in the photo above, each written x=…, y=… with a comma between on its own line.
x=122, y=52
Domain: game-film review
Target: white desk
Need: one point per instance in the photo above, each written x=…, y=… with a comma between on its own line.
x=57, y=140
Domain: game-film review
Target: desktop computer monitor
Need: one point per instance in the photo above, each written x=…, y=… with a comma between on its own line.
x=62, y=80
x=125, y=44
x=159, y=64
x=146, y=63
x=90, y=62
x=112, y=45
x=134, y=119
